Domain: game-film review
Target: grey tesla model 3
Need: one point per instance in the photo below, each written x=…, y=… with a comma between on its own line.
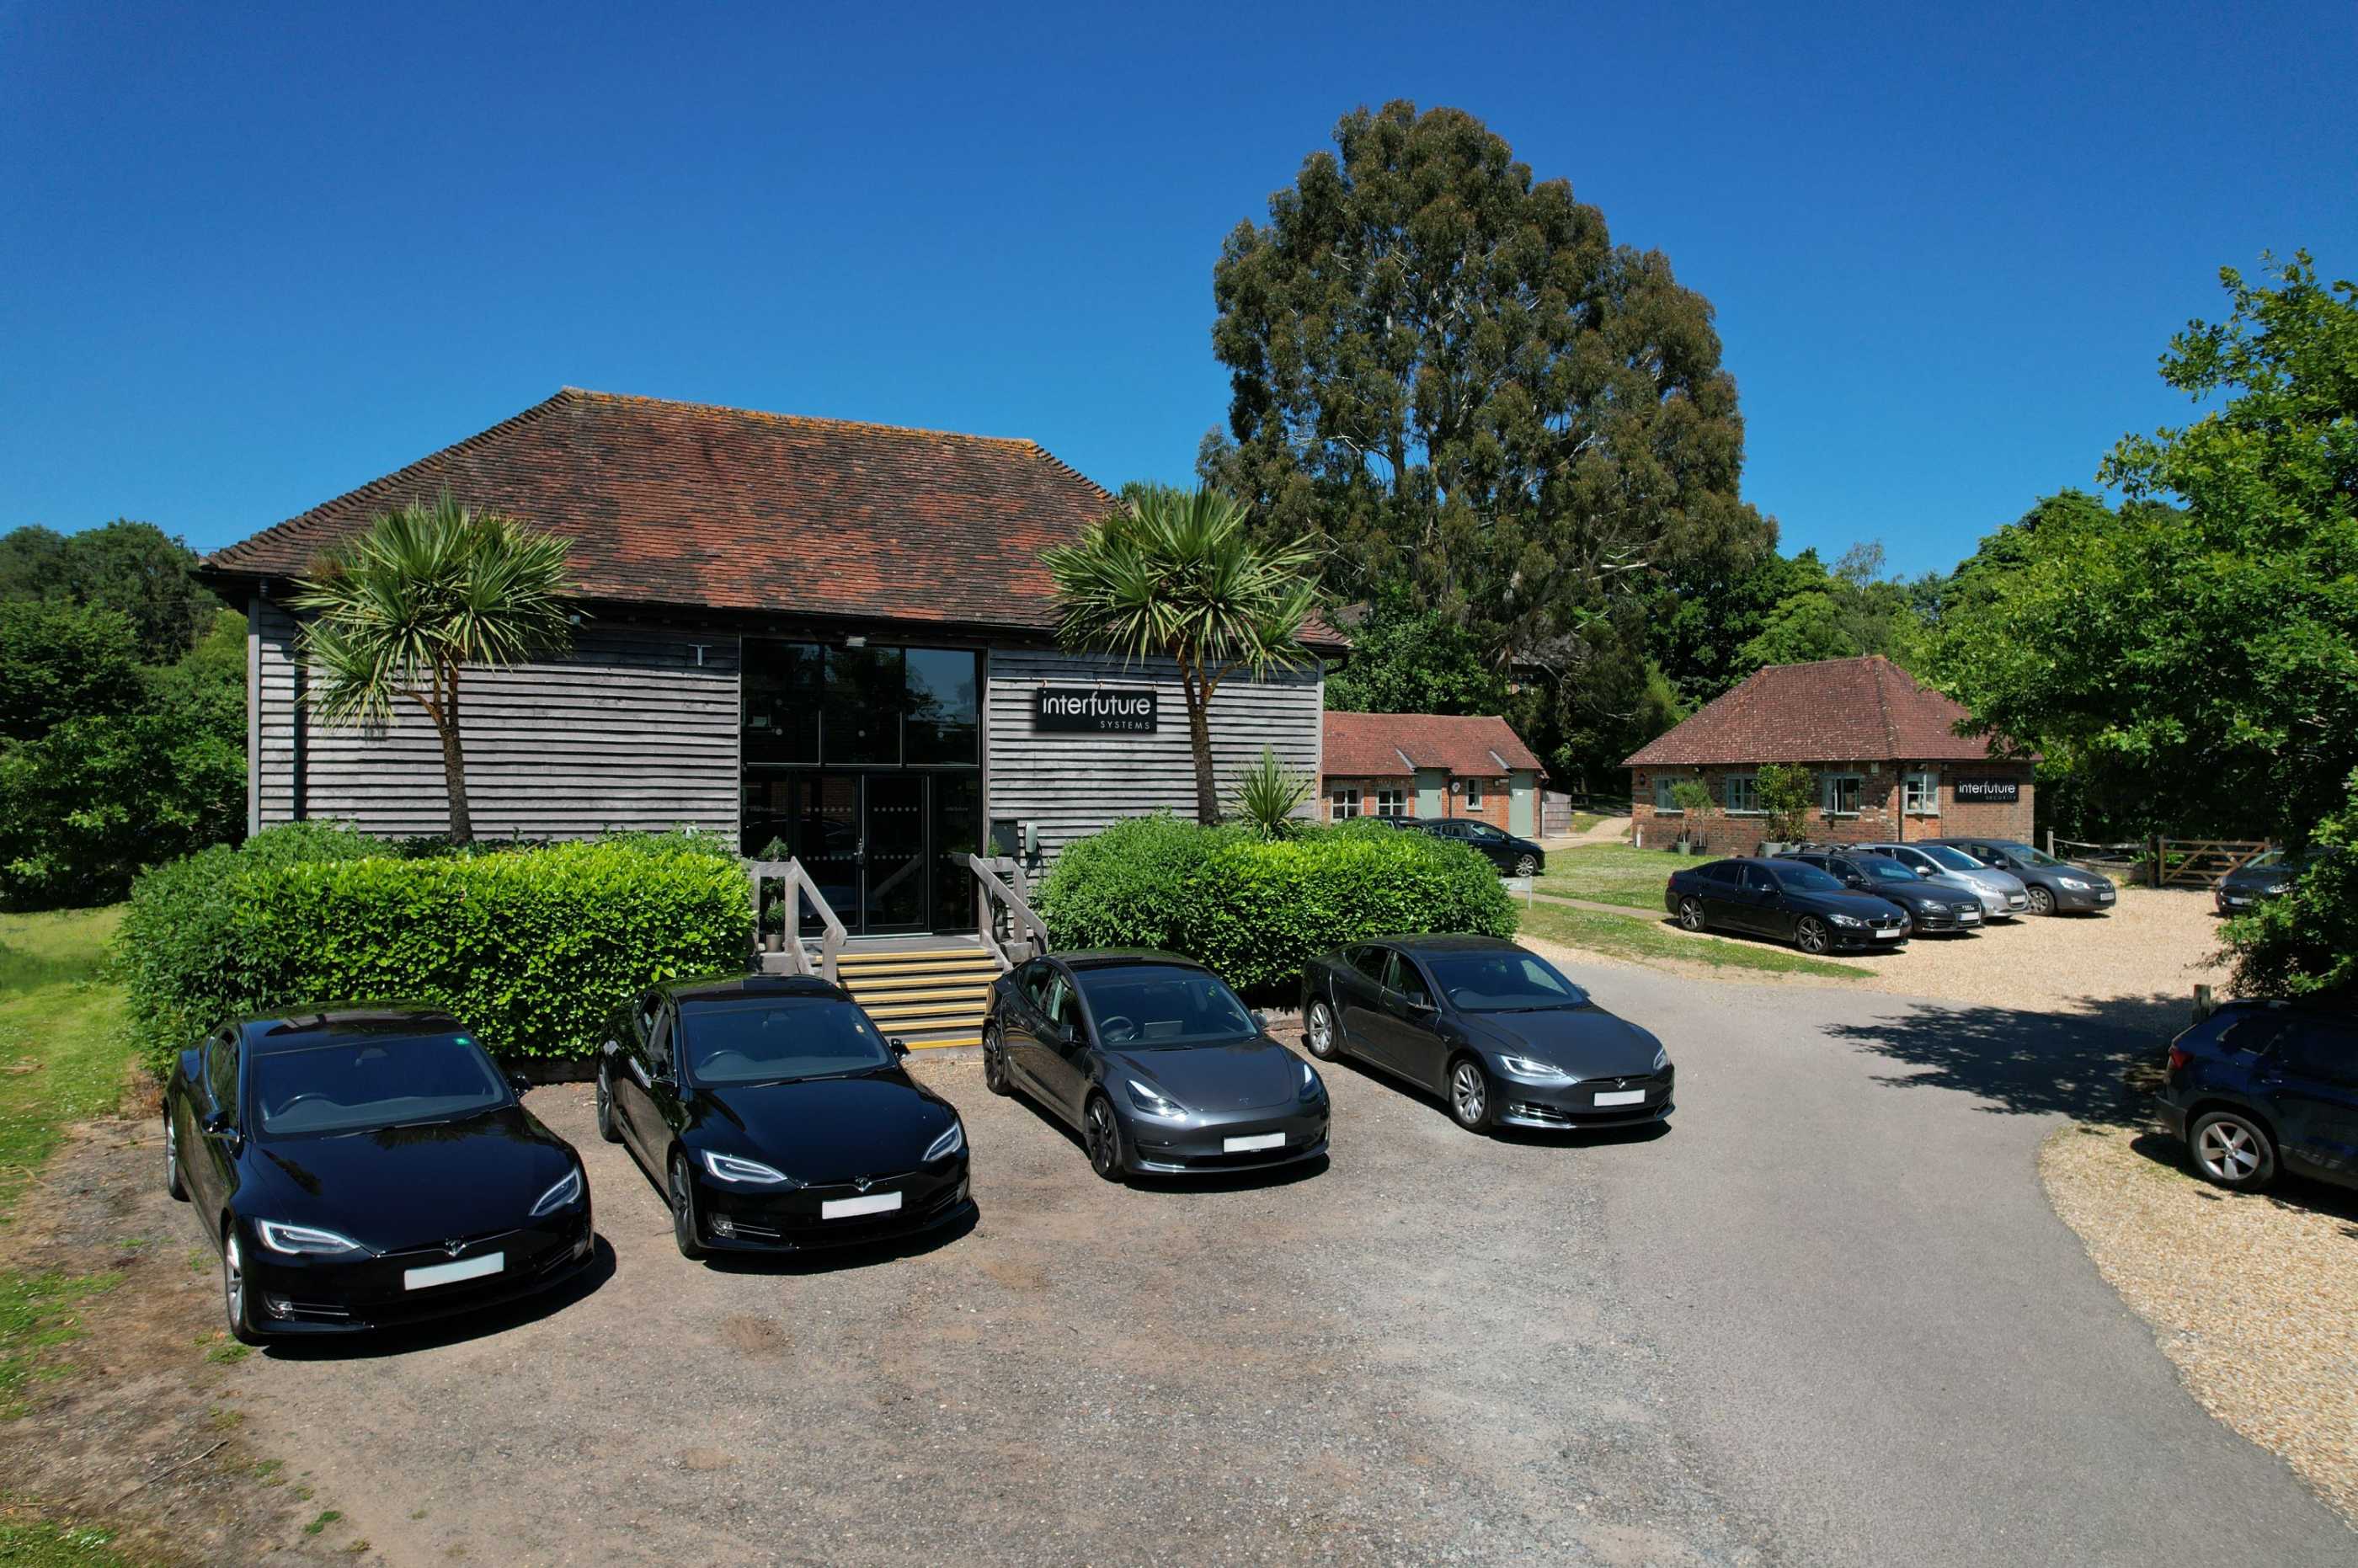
x=1154, y=1061
x=1498, y=1032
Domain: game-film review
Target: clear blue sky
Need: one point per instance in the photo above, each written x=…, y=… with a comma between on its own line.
x=251, y=257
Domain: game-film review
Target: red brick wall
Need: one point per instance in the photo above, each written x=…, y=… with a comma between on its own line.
x=1493, y=809
x=1878, y=816
x=1366, y=788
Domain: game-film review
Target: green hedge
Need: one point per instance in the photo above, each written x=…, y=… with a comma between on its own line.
x=533, y=948
x=1255, y=910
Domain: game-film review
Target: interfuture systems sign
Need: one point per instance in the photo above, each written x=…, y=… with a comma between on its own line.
x=1094, y=710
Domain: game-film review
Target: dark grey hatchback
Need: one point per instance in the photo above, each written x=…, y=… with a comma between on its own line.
x=1155, y=1062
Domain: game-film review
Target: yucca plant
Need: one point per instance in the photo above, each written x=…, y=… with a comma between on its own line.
x=1177, y=574
x=1268, y=793
x=430, y=589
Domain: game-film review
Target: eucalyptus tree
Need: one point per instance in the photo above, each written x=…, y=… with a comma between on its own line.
x=429, y=592
x=1177, y=574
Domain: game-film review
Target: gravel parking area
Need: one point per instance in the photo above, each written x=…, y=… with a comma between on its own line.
x=2256, y=1298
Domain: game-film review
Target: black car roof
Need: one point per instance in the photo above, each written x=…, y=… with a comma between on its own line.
x=732, y=987
x=299, y=1027
x=1107, y=957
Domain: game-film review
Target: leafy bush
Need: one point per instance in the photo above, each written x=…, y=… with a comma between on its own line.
x=1787, y=792
x=1255, y=910
x=1268, y=793
x=535, y=948
x=2305, y=944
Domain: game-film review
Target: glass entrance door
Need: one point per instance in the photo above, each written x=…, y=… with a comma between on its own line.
x=892, y=854
x=884, y=847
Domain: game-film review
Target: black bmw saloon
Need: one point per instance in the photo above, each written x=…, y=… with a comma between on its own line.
x=367, y=1167
x=1785, y=900
x=1155, y=1062
x=1495, y=1029
x=775, y=1117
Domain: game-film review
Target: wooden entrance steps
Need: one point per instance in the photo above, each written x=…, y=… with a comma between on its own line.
x=927, y=996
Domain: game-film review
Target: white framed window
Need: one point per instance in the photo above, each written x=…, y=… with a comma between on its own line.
x=1393, y=802
x=1920, y=793
x=1741, y=794
x=1473, y=794
x=1665, y=802
x=1842, y=794
x=1345, y=803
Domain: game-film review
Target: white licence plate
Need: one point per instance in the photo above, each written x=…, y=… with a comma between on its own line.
x=1258, y=1140
x=851, y=1208
x=2105, y=896
x=1967, y=916
x=1893, y=936
x=451, y=1273
x=1620, y=1097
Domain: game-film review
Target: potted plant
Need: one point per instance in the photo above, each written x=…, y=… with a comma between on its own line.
x=1787, y=792
x=1694, y=799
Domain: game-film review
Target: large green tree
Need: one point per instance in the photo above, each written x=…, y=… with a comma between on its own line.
x=1177, y=574
x=135, y=569
x=1444, y=372
x=62, y=661
x=1407, y=660
x=2197, y=650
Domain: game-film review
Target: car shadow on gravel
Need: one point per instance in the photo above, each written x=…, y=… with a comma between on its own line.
x=2339, y=1204
x=455, y=1330
x=2034, y=1064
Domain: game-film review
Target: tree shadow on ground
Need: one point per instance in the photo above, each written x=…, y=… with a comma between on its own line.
x=2093, y=1066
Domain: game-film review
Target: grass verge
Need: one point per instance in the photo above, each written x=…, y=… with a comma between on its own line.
x=1647, y=939
x=63, y=1052
x=1610, y=873
x=37, y=1544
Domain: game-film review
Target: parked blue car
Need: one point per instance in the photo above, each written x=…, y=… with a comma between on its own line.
x=2258, y=1089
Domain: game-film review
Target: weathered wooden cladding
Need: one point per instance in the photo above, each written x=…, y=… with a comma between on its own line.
x=628, y=730
x=1073, y=785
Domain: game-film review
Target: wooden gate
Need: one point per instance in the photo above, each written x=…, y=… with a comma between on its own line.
x=2200, y=862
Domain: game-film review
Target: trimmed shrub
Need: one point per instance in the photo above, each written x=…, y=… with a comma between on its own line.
x=1256, y=910
x=535, y=948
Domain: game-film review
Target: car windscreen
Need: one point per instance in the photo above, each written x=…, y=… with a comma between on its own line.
x=1797, y=878
x=361, y=1083
x=2034, y=857
x=1157, y=1004
x=1955, y=859
x=1502, y=982
x=773, y=1039
x=1876, y=870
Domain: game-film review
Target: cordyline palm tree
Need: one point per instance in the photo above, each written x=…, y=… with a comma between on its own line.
x=426, y=591
x=1177, y=574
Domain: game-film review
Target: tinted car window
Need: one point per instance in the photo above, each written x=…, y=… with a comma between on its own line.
x=1482, y=830
x=1758, y=879
x=1797, y=877
x=768, y=1039
x=659, y=1043
x=373, y=1081
x=221, y=1073
x=1403, y=978
x=1502, y=982
x=1950, y=858
x=1157, y=1004
x=1724, y=873
x=1877, y=868
x=1370, y=962
x=2315, y=1048
x=2252, y=1031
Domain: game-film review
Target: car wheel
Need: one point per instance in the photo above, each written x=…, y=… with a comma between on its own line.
x=174, y=1186
x=1318, y=1032
x=1527, y=866
x=1811, y=935
x=233, y=1295
x=1691, y=914
x=683, y=1210
x=1469, y=1094
x=994, y=1061
x=2042, y=901
x=607, y=1129
x=1101, y=1130
x=2231, y=1149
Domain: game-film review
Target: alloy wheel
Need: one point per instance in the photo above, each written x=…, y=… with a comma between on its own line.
x=1691, y=914
x=683, y=1212
x=2042, y=902
x=173, y=1185
x=1104, y=1139
x=1318, y=1032
x=1469, y=1094
x=2228, y=1152
x=605, y=1102
x=234, y=1286
x=994, y=1061
x=1527, y=867
x=1811, y=935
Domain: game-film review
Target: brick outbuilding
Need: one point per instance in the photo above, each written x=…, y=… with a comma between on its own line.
x=1885, y=750
x=1429, y=765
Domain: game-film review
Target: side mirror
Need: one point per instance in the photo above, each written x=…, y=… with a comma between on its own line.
x=663, y=1083
x=899, y=1047
x=522, y=1085
x=1260, y=1020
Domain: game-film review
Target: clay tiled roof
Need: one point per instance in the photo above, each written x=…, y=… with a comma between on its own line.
x=1836, y=710
x=1393, y=745
x=689, y=504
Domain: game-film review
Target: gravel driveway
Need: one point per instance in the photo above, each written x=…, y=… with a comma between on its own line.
x=1827, y=1318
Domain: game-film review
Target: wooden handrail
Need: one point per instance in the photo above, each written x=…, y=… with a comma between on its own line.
x=1024, y=925
x=798, y=887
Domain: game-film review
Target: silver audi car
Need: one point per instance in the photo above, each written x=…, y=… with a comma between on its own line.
x=2003, y=894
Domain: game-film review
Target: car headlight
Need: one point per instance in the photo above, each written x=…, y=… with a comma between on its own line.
x=306, y=1241
x=1848, y=920
x=1311, y=1088
x=1155, y=1103
x=1661, y=1057
x=1533, y=1068
x=564, y=1194
x=952, y=1140
x=2075, y=884
x=748, y=1173
x=1931, y=908
x=2276, y=890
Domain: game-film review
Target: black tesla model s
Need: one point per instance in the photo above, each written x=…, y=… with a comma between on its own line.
x=775, y=1117
x=1498, y=1032
x=367, y=1167
x=1155, y=1061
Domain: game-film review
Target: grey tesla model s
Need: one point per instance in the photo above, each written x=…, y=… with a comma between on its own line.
x=1498, y=1032
x=1154, y=1061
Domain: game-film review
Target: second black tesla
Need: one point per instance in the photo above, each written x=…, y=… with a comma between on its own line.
x=775, y=1117
x=1156, y=1062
